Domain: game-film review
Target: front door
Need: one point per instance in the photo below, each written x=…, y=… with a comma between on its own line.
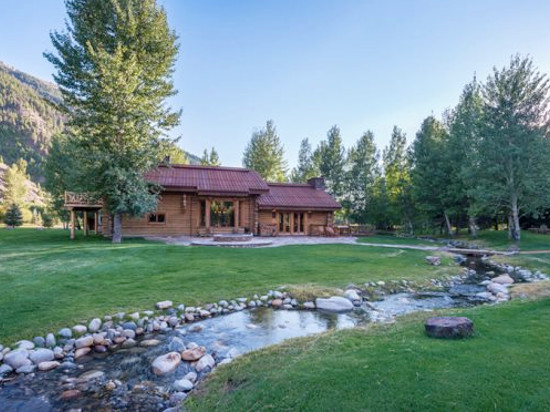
x=291, y=223
x=284, y=223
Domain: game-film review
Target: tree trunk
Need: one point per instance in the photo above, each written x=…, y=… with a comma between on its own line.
x=448, y=224
x=117, y=228
x=472, y=226
x=515, y=233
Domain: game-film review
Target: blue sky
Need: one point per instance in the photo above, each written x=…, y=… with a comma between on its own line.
x=311, y=64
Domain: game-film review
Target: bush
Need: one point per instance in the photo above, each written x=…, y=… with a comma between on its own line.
x=47, y=220
x=13, y=216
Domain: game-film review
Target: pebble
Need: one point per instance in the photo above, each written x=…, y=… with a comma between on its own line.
x=177, y=397
x=70, y=394
x=91, y=375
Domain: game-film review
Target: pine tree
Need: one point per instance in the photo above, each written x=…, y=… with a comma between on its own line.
x=306, y=168
x=114, y=71
x=13, y=216
x=265, y=154
x=330, y=160
x=361, y=178
x=514, y=150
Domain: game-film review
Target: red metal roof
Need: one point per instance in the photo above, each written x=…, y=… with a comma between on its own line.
x=296, y=197
x=209, y=180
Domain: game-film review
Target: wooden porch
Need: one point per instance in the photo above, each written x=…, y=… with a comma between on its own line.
x=83, y=202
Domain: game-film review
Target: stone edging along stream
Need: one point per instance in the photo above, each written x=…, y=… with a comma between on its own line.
x=121, y=331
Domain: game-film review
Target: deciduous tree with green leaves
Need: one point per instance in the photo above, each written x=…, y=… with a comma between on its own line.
x=265, y=154
x=210, y=159
x=513, y=164
x=15, y=184
x=114, y=66
x=330, y=159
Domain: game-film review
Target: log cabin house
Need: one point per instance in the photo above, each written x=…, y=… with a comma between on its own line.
x=208, y=200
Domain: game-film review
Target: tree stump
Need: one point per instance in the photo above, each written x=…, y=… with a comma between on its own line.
x=449, y=327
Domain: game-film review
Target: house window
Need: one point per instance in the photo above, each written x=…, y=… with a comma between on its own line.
x=222, y=214
x=157, y=218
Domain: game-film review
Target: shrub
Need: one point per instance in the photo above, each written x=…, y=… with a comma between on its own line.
x=47, y=220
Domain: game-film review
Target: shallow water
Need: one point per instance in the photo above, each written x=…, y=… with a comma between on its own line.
x=224, y=337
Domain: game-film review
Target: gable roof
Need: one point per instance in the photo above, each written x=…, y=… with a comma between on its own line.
x=208, y=180
x=297, y=197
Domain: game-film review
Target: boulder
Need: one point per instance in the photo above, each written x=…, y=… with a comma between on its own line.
x=191, y=376
x=26, y=369
x=25, y=344
x=84, y=342
x=503, y=279
x=42, y=355
x=352, y=295
x=81, y=352
x=497, y=288
x=449, y=327
x=165, y=304
x=309, y=305
x=207, y=361
x=183, y=385
x=5, y=370
x=433, y=260
x=166, y=363
x=277, y=303
x=65, y=333
x=334, y=304
x=79, y=329
x=50, y=340
x=39, y=342
x=176, y=345
x=17, y=358
x=48, y=366
x=194, y=354
x=94, y=325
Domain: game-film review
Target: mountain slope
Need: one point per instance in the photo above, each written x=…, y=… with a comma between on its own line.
x=28, y=118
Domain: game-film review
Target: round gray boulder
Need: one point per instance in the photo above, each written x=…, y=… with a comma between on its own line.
x=449, y=327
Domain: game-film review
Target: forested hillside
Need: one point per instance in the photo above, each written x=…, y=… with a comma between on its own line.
x=28, y=118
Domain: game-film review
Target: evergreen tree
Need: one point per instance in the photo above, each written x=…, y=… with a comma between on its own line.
x=398, y=181
x=13, y=216
x=114, y=71
x=330, y=160
x=361, y=178
x=306, y=168
x=265, y=154
x=210, y=159
x=514, y=151
x=15, y=181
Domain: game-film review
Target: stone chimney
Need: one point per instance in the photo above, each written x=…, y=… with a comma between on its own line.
x=317, y=182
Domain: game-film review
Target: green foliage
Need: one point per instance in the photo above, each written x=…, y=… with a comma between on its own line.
x=306, y=167
x=13, y=216
x=15, y=181
x=361, y=178
x=513, y=157
x=330, y=160
x=114, y=72
x=47, y=220
x=265, y=154
x=211, y=159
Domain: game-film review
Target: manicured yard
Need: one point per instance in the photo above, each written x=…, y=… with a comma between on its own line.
x=499, y=240
x=48, y=281
x=506, y=366
x=397, y=240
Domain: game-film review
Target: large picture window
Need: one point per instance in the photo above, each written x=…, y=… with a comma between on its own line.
x=222, y=214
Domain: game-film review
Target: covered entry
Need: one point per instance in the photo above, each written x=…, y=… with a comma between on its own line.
x=292, y=223
x=89, y=206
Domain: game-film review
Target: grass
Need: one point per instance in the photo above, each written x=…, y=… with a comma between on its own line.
x=506, y=366
x=395, y=240
x=499, y=240
x=48, y=281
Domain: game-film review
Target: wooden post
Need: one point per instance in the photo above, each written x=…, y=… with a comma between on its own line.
x=96, y=216
x=85, y=223
x=207, y=213
x=291, y=222
x=72, y=223
x=306, y=227
x=236, y=213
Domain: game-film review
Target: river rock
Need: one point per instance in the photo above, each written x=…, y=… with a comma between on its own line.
x=5, y=370
x=334, y=304
x=207, y=361
x=176, y=345
x=26, y=369
x=65, y=333
x=79, y=329
x=177, y=397
x=193, y=354
x=277, y=303
x=183, y=385
x=48, y=366
x=166, y=363
x=25, y=344
x=449, y=327
x=58, y=353
x=42, y=355
x=433, y=260
x=149, y=342
x=128, y=343
x=191, y=376
x=17, y=358
x=70, y=394
x=39, y=341
x=496, y=288
x=91, y=375
x=503, y=279
x=309, y=305
x=50, y=340
x=81, y=352
x=84, y=342
x=165, y=304
x=95, y=325
x=352, y=295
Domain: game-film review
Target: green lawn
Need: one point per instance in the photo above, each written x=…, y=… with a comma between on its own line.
x=506, y=366
x=48, y=281
x=397, y=240
x=499, y=240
